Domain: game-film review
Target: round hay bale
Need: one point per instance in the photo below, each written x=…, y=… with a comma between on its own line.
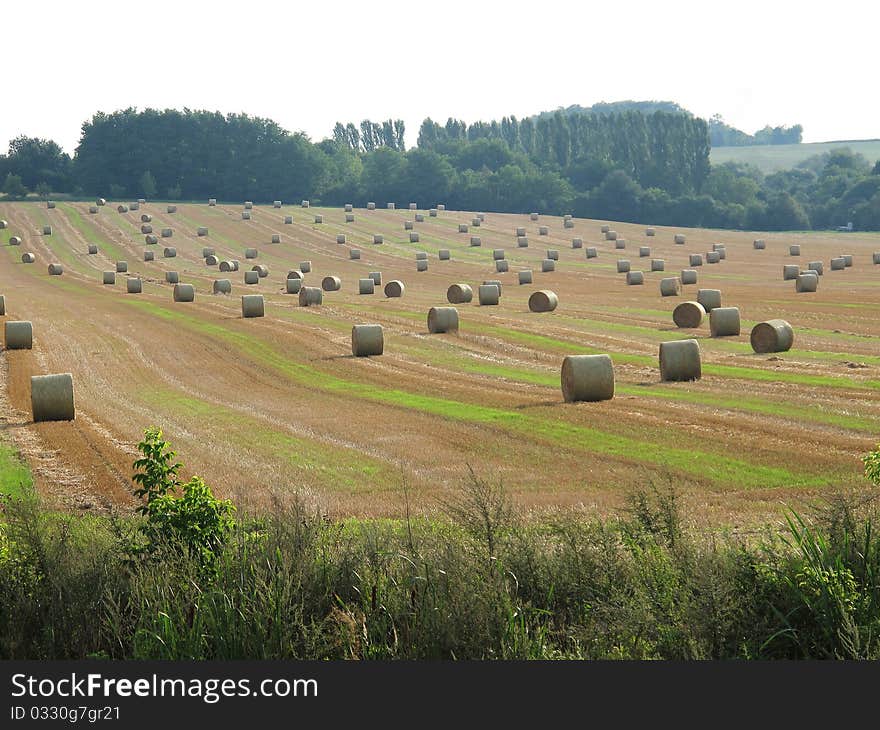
x=679, y=238
x=146, y=228
x=709, y=298
x=876, y=257
x=497, y=283
x=171, y=209
x=331, y=283
x=135, y=206
x=520, y=232
x=394, y=288
x=432, y=212
x=635, y=278
x=262, y=270
x=378, y=238
x=525, y=277
x=413, y=237
x=605, y=228
x=407, y=225
x=252, y=305
x=93, y=209
x=133, y=285
x=421, y=265
x=459, y=294
x=847, y=260
x=610, y=235
x=250, y=253
x=367, y=340
x=713, y=257
x=497, y=254
x=184, y=293
x=207, y=251
x=413, y=206
x=568, y=224
x=319, y=219
x=119, y=208
x=759, y=244
x=305, y=204
x=354, y=254
x=688, y=315
x=100, y=202
x=213, y=260
x=577, y=242
x=522, y=242
x=305, y=266
x=310, y=296
x=650, y=232
x=3, y=224
x=109, y=277
x=670, y=286
x=622, y=266
x=349, y=207
x=47, y=230
x=295, y=274
x=251, y=277
x=548, y=265
x=52, y=397
x=721, y=249
x=222, y=286
x=543, y=300
x=19, y=335
x=695, y=259
x=167, y=233
x=245, y=215
x=202, y=231
x=376, y=276
x=93, y=249
x=620, y=243
x=14, y=241
x=212, y=202
x=543, y=231
x=288, y=220
x=366, y=286
x=806, y=283
x=774, y=335
x=169, y=252
x=488, y=294
x=724, y=322
x=371, y=206
x=592, y=252
x=587, y=378
x=340, y=238
x=151, y=240
x=688, y=276
x=275, y=204
x=680, y=361
x=476, y=241
x=420, y=218
x=56, y=269
x=172, y=277
x=838, y=263
x=790, y=272
x=293, y=286
x=533, y=217
x=442, y=319
x=552, y=253
x=391, y=206
x=148, y=256
x=462, y=228
x=502, y=266
x=816, y=266
x=248, y=205
x=644, y=251
x=443, y=254
x=658, y=265
x=476, y=222
x=28, y=258
x=794, y=250
x=146, y=218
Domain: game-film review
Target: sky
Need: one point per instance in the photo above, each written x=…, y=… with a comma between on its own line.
x=307, y=67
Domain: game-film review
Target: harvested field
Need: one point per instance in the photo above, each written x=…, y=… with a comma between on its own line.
x=263, y=408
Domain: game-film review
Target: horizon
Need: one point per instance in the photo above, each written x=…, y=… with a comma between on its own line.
x=465, y=61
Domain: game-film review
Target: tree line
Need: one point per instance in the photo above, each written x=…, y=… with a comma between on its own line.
x=631, y=165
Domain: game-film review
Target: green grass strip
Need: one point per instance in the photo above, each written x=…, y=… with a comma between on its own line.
x=15, y=476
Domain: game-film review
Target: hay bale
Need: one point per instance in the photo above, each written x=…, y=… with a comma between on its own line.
x=349, y=218
x=394, y=288
x=816, y=266
x=151, y=240
x=319, y=219
x=348, y=207
x=100, y=202
x=568, y=224
x=367, y=340
x=252, y=305
x=807, y=282
x=121, y=267
x=713, y=257
x=310, y=296
x=459, y=294
x=119, y=208
x=212, y=202
x=213, y=260
x=644, y=251
x=202, y=231
x=52, y=397
x=635, y=278
x=592, y=252
x=172, y=277
x=305, y=266
x=390, y=206
x=133, y=285
x=525, y=277
x=376, y=276
x=497, y=254
x=432, y=212
x=250, y=253
x=184, y=293
x=847, y=260
x=650, y=232
x=275, y=204
x=3, y=225
x=421, y=256
x=331, y=283
x=2, y=305
x=790, y=272
x=293, y=286
x=462, y=228
x=622, y=266
x=248, y=205
x=93, y=209
x=171, y=209
x=413, y=237
x=366, y=286
x=543, y=300
x=688, y=276
x=135, y=206
x=877, y=257
x=93, y=249
x=774, y=335
x=442, y=319
x=610, y=235
x=488, y=294
x=378, y=238
x=543, y=231
x=245, y=215
x=688, y=315
x=288, y=220
x=235, y=264
x=19, y=335
x=680, y=361
x=262, y=270
x=548, y=265
x=222, y=286
x=709, y=298
x=476, y=241
x=587, y=378
x=207, y=251
x=793, y=250
x=47, y=230
x=658, y=265
x=148, y=256
x=605, y=228
x=167, y=233
x=670, y=286
x=340, y=238
x=354, y=254
x=502, y=266
x=14, y=241
x=443, y=254
x=28, y=258
x=407, y=225
x=420, y=218
x=577, y=242
x=441, y=207
x=724, y=322
x=169, y=252
x=109, y=277
x=522, y=242
x=371, y=206
x=295, y=274
x=146, y=218
x=421, y=265
x=520, y=232
x=679, y=238
x=251, y=277
x=146, y=228
x=552, y=253
x=838, y=263
x=758, y=244
x=533, y=217
x=695, y=259
x=620, y=243
x=496, y=282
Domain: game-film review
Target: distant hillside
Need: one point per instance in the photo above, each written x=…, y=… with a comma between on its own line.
x=771, y=158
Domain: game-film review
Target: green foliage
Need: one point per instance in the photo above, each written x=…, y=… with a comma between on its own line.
x=148, y=185
x=13, y=188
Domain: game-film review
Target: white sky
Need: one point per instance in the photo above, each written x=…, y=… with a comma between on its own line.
x=307, y=66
